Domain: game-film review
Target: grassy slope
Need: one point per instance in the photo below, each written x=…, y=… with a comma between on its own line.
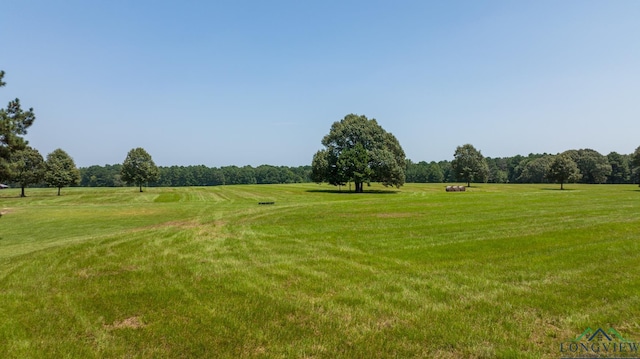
x=499, y=271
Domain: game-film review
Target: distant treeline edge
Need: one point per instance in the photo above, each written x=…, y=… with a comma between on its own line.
x=516, y=169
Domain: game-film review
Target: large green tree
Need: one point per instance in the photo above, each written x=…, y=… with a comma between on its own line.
x=14, y=122
x=469, y=165
x=563, y=169
x=359, y=150
x=138, y=168
x=26, y=167
x=61, y=171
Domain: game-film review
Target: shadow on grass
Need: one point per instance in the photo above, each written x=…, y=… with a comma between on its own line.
x=346, y=191
x=558, y=189
x=28, y=195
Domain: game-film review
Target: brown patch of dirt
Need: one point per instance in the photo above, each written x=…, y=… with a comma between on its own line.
x=129, y=323
x=549, y=332
x=84, y=273
x=387, y=322
x=178, y=224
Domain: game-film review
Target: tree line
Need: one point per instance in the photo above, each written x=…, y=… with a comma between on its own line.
x=58, y=171
x=198, y=175
x=593, y=167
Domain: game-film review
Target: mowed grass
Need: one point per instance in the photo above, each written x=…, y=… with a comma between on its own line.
x=496, y=272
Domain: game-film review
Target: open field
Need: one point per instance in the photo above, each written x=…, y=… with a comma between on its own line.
x=498, y=271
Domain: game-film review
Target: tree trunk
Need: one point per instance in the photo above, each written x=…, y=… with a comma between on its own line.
x=561, y=186
x=59, y=190
x=22, y=192
x=359, y=187
x=140, y=187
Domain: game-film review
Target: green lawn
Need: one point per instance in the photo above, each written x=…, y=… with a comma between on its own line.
x=496, y=272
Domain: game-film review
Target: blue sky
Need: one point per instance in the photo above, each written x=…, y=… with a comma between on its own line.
x=260, y=82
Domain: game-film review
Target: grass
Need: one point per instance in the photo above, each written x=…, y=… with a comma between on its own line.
x=498, y=271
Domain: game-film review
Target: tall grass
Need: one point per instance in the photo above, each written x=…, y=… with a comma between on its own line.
x=498, y=271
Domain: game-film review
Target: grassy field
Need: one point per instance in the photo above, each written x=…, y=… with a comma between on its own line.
x=500, y=271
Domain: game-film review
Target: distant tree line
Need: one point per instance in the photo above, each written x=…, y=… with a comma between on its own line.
x=200, y=175
x=592, y=166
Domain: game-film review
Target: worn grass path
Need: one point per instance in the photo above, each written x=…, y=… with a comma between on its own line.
x=498, y=271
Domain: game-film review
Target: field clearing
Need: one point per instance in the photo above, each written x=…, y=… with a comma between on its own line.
x=498, y=271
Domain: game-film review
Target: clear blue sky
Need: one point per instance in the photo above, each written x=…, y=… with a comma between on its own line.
x=260, y=82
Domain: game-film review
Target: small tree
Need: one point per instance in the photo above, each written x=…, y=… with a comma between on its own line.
x=138, y=168
x=61, y=171
x=563, y=169
x=469, y=165
x=26, y=167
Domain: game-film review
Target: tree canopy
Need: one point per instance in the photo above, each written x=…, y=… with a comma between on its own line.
x=138, y=168
x=563, y=169
x=14, y=122
x=535, y=171
x=469, y=164
x=359, y=150
x=61, y=171
x=423, y=172
x=26, y=167
x=620, y=171
x=593, y=167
